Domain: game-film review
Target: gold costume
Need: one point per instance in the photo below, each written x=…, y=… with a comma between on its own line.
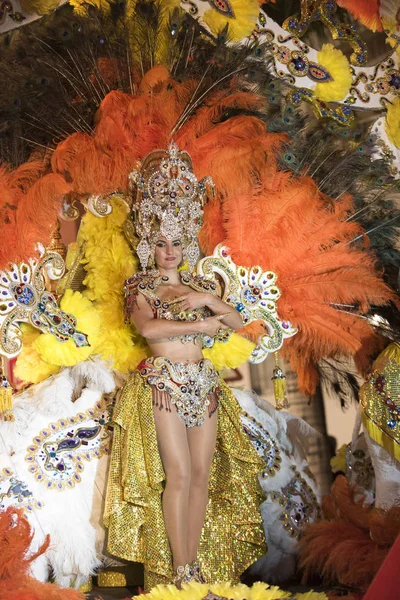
x=380, y=400
x=232, y=536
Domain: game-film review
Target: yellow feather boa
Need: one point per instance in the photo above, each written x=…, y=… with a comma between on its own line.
x=30, y=366
x=230, y=355
x=198, y=591
x=108, y=262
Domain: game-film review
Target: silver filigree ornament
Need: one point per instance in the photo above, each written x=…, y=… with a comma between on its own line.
x=168, y=201
x=254, y=293
x=299, y=504
x=24, y=298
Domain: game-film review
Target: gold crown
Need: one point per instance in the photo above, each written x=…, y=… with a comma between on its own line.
x=168, y=200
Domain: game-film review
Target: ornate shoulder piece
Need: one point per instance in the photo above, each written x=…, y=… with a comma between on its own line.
x=199, y=283
x=24, y=299
x=254, y=293
x=143, y=282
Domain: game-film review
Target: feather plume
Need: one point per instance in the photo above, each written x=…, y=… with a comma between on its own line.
x=367, y=12
x=15, y=581
x=350, y=545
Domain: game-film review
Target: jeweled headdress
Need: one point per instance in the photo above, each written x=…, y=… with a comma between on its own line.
x=167, y=200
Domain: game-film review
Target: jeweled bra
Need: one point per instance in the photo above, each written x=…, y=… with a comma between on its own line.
x=147, y=282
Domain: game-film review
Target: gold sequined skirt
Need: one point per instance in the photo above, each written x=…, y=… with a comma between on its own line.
x=232, y=537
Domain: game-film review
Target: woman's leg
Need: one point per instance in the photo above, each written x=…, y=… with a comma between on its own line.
x=175, y=457
x=201, y=447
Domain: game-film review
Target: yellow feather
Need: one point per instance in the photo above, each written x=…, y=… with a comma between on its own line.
x=338, y=462
x=108, y=262
x=338, y=66
x=30, y=367
x=241, y=25
x=392, y=124
x=41, y=7
x=230, y=355
x=198, y=591
x=88, y=321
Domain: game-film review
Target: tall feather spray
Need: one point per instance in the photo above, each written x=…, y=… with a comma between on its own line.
x=15, y=580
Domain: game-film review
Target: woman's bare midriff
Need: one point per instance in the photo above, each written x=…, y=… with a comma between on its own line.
x=175, y=350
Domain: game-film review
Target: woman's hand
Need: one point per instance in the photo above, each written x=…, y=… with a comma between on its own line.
x=211, y=325
x=193, y=300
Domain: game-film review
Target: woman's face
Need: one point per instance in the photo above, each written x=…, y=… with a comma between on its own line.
x=168, y=253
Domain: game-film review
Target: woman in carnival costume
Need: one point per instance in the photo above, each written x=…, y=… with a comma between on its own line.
x=178, y=440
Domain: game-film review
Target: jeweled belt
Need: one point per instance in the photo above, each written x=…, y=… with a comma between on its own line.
x=190, y=386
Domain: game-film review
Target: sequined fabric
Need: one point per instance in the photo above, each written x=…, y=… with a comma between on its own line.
x=380, y=400
x=232, y=536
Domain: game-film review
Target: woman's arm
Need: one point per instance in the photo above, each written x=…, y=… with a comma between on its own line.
x=153, y=329
x=219, y=307
x=231, y=317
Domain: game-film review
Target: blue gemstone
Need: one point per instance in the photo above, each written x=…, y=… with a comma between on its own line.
x=299, y=64
x=240, y=307
x=395, y=81
x=249, y=297
x=391, y=423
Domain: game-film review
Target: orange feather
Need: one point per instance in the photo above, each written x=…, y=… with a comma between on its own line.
x=352, y=543
x=365, y=11
x=15, y=581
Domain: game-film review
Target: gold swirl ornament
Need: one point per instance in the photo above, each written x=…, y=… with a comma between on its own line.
x=254, y=293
